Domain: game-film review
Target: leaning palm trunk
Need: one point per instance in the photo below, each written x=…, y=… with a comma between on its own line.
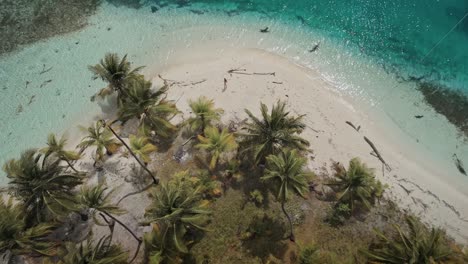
x=291, y=235
x=129, y=230
x=71, y=165
x=155, y=179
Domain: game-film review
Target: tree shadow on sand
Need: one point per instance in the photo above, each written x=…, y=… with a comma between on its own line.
x=265, y=236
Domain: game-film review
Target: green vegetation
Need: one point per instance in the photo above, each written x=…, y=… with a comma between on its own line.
x=102, y=252
x=117, y=73
x=285, y=172
x=57, y=147
x=101, y=138
x=275, y=131
x=205, y=113
x=216, y=143
x=223, y=212
x=43, y=186
x=357, y=185
x=416, y=245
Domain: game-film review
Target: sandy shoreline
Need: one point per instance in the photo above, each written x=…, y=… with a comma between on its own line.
x=412, y=185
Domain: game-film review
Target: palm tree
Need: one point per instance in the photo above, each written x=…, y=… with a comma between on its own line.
x=415, y=245
x=274, y=132
x=100, y=137
x=102, y=252
x=286, y=174
x=178, y=207
x=159, y=245
x=96, y=201
x=153, y=111
x=216, y=143
x=109, y=126
x=116, y=73
x=205, y=113
x=44, y=188
x=356, y=185
x=16, y=237
x=57, y=147
x=141, y=146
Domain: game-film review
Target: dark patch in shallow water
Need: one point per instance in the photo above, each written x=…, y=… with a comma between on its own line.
x=452, y=104
x=25, y=21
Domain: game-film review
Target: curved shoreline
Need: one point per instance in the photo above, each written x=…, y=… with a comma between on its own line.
x=413, y=185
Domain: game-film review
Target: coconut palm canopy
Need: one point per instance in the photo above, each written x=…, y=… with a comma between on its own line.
x=274, y=131
x=141, y=146
x=45, y=188
x=205, y=113
x=16, y=237
x=178, y=207
x=286, y=176
x=89, y=252
x=356, y=185
x=417, y=244
x=216, y=143
x=57, y=147
x=149, y=107
x=285, y=172
x=101, y=138
x=116, y=72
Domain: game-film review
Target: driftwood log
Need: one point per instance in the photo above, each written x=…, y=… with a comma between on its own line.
x=353, y=126
x=377, y=154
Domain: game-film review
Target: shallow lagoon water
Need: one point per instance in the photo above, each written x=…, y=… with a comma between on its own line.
x=366, y=47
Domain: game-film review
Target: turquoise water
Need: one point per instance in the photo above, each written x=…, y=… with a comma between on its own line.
x=397, y=33
x=357, y=40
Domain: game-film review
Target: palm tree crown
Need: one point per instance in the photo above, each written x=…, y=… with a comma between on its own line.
x=286, y=172
x=148, y=106
x=100, y=137
x=102, y=252
x=274, y=132
x=141, y=146
x=116, y=73
x=416, y=245
x=44, y=188
x=57, y=147
x=216, y=143
x=178, y=207
x=205, y=112
x=17, y=237
x=357, y=184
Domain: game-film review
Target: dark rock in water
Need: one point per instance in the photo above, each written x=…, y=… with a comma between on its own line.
x=459, y=164
x=419, y=116
x=197, y=12
x=182, y=3
x=302, y=19
x=154, y=9
x=448, y=102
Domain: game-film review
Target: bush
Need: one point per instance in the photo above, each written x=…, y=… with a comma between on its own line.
x=339, y=214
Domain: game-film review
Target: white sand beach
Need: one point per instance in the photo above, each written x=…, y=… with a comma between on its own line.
x=414, y=183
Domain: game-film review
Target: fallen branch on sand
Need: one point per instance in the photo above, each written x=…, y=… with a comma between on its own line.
x=459, y=164
x=243, y=71
x=352, y=125
x=376, y=154
x=168, y=82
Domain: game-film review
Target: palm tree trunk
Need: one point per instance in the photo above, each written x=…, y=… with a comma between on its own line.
x=70, y=165
x=155, y=179
x=291, y=236
x=130, y=231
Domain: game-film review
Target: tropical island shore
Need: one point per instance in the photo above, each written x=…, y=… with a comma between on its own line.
x=413, y=183
x=337, y=129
